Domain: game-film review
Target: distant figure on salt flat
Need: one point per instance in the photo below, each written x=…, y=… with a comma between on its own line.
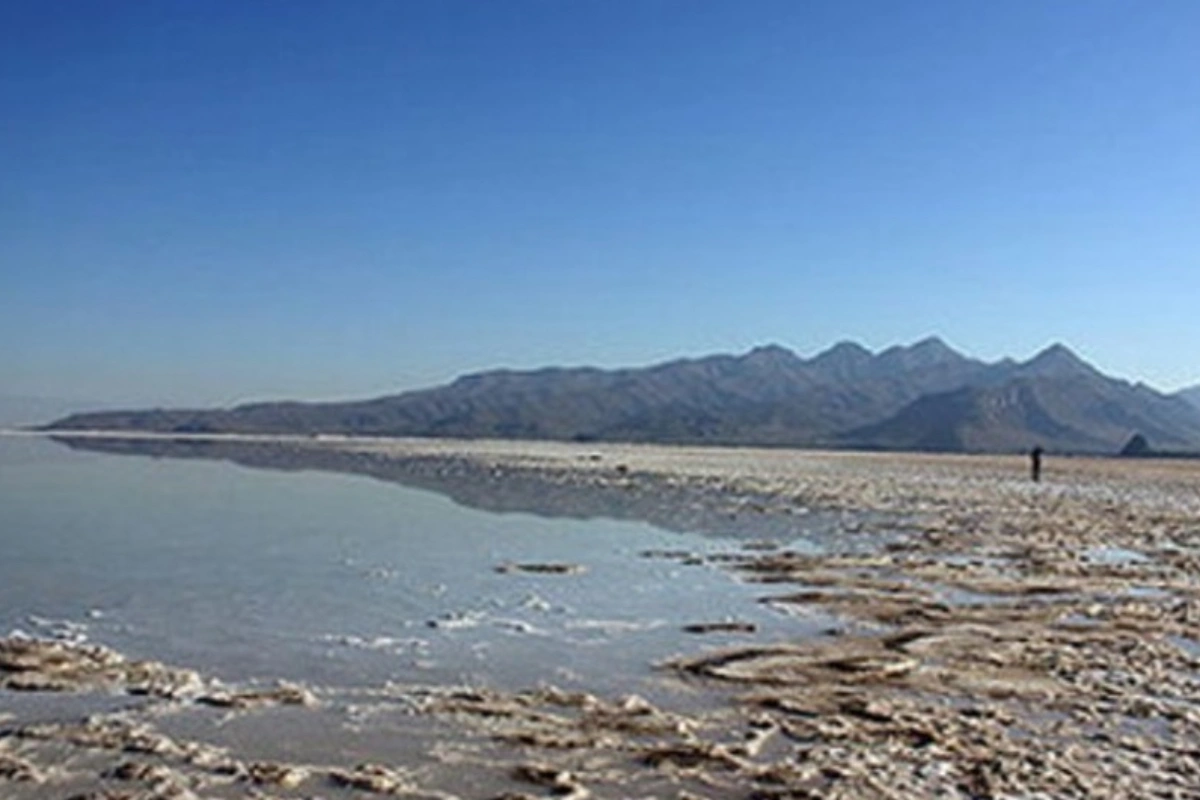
x=1035, y=463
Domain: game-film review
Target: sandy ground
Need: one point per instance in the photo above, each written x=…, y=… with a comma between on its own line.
x=1010, y=639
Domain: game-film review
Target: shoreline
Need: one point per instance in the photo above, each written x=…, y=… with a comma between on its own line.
x=1019, y=638
x=35, y=430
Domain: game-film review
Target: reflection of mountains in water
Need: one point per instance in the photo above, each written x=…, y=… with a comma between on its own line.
x=628, y=496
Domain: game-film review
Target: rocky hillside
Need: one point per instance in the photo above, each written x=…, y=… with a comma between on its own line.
x=922, y=396
x=1190, y=395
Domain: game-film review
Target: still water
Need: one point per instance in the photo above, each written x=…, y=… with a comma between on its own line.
x=342, y=580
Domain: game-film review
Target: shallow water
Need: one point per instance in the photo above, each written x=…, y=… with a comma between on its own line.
x=1115, y=556
x=340, y=580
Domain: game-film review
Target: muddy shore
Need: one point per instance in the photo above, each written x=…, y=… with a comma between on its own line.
x=995, y=638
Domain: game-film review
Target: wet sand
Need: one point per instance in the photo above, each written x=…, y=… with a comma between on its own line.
x=994, y=638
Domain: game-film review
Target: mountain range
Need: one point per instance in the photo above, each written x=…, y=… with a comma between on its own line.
x=924, y=396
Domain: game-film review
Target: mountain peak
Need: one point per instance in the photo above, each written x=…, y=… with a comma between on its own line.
x=1057, y=360
x=931, y=350
x=845, y=350
x=928, y=352
x=1056, y=350
x=772, y=352
x=770, y=358
x=843, y=362
x=932, y=345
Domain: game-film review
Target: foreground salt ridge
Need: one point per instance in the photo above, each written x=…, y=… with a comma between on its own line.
x=1021, y=640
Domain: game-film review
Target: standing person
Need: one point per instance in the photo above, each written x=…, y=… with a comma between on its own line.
x=1035, y=463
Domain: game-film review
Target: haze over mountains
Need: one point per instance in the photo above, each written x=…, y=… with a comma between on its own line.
x=925, y=396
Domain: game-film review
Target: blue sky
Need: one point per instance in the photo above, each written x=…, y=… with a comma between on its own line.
x=211, y=202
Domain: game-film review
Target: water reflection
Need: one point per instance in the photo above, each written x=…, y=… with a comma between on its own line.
x=689, y=509
x=324, y=577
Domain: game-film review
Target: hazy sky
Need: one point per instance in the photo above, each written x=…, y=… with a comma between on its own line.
x=208, y=202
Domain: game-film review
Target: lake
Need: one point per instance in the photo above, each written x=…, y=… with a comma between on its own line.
x=342, y=580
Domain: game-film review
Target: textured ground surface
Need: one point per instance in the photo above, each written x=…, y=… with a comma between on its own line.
x=1001, y=639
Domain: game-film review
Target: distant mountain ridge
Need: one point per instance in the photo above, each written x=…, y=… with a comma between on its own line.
x=922, y=396
x=24, y=410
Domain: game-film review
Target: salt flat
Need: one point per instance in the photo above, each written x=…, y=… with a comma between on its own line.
x=998, y=638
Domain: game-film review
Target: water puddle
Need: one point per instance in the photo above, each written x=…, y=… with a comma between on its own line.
x=1190, y=646
x=1115, y=556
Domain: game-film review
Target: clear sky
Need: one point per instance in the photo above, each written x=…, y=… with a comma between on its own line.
x=210, y=202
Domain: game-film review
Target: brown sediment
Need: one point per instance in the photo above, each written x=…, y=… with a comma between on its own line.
x=842, y=662
x=286, y=776
x=39, y=665
x=374, y=778
x=134, y=753
x=560, y=782
x=284, y=694
x=1003, y=647
x=15, y=768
